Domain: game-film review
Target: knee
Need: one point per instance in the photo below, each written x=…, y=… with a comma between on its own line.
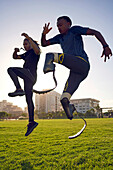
x=28, y=93
x=9, y=70
x=64, y=101
x=65, y=95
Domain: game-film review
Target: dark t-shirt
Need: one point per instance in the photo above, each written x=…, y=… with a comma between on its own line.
x=72, y=43
x=31, y=61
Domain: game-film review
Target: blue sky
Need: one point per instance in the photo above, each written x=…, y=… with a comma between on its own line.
x=30, y=16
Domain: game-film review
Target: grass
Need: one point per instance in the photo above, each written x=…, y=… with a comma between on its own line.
x=48, y=147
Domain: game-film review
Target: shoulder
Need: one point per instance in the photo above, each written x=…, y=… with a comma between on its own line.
x=75, y=28
x=32, y=54
x=79, y=30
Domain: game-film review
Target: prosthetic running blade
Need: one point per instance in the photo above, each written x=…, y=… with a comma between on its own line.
x=79, y=133
x=46, y=91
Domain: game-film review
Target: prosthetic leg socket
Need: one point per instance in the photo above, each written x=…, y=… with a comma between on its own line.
x=68, y=108
x=49, y=66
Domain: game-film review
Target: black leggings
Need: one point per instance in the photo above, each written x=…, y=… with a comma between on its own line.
x=29, y=81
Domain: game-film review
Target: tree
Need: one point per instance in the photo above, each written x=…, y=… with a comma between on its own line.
x=3, y=115
x=98, y=111
x=90, y=113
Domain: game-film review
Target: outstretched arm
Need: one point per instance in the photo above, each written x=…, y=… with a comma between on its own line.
x=34, y=46
x=106, y=50
x=46, y=30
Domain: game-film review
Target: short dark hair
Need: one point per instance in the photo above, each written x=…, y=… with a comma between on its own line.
x=66, y=18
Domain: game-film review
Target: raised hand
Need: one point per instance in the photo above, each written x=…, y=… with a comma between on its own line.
x=46, y=28
x=107, y=53
x=25, y=35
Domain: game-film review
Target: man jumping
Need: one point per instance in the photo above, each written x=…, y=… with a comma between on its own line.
x=73, y=57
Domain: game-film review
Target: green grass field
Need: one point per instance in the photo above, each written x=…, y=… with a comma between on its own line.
x=48, y=147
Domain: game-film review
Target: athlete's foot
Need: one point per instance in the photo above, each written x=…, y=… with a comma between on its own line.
x=18, y=92
x=30, y=127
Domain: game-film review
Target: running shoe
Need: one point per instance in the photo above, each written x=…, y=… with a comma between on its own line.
x=30, y=127
x=17, y=93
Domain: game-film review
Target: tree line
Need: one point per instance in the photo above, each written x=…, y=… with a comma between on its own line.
x=57, y=115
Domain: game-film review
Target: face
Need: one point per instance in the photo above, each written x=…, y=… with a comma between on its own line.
x=26, y=45
x=63, y=26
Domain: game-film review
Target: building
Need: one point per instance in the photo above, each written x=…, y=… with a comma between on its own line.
x=10, y=108
x=83, y=105
x=48, y=102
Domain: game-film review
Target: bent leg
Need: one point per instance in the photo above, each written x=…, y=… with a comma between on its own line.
x=79, y=68
x=74, y=63
x=23, y=73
